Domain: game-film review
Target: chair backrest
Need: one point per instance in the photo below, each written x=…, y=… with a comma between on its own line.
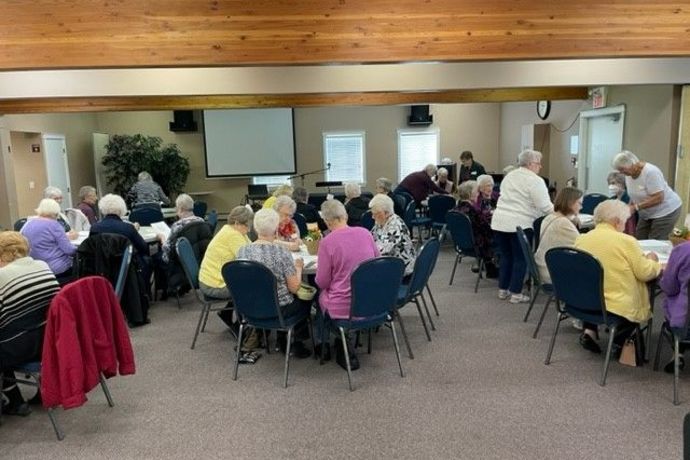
x=301, y=222
x=424, y=265
x=590, y=201
x=19, y=224
x=253, y=288
x=122, y=274
x=374, y=286
x=190, y=266
x=367, y=220
x=527, y=253
x=410, y=214
x=536, y=225
x=212, y=219
x=200, y=208
x=146, y=215
x=399, y=203
x=406, y=196
x=578, y=279
x=439, y=205
x=461, y=231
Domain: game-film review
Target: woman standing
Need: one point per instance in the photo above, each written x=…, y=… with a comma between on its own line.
x=657, y=205
x=524, y=197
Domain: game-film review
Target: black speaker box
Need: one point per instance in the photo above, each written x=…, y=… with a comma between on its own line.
x=419, y=115
x=184, y=121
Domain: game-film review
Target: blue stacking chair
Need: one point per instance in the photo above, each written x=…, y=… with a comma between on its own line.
x=374, y=288
x=122, y=273
x=405, y=196
x=146, y=215
x=301, y=222
x=439, y=205
x=190, y=266
x=675, y=336
x=537, y=284
x=590, y=201
x=367, y=221
x=414, y=291
x=412, y=220
x=463, y=237
x=578, y=283
x=19, y=224
x=536, y=225
x=212, y=220
x=254, y=291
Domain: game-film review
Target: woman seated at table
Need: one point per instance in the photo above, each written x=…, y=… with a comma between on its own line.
x=481, y=225
x=287, y=233
x=626, y=272
x=339, y=254
x=355, y=203
x=391, y=235
x=309, y=211
x=558, y=228
x=184, y=208
x=487, y=197
x=288, y=273
x=282, y=190
x=26, y=288
x=49, y=242
x=385, y=186
x=674, y=283
x=617, y=191
x=113, y=209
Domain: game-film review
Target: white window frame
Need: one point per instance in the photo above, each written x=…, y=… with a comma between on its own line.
x=362, y=134
x=405, y=132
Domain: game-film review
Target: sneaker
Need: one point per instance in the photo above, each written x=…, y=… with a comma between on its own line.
x=668, y=368
x=519, y=298
x=21, y=409
x=503, y=294
x=588, y=343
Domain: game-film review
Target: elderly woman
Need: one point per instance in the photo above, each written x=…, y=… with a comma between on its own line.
x=487, y=197
x=674, y=283
x=339, y=254
x=87, y=203
x=55, y=193
x=184, y=207
x=524, y=197
x=443, y=182
x=481, y=224
x=385, y=186
x=355, y=203
x=617, y=191
x=26, y=288
x=626, y=271
x=309, y=211
x=48, y=240
x=282, y=190
x=391, y=235
x=287, y=231
x=112, y=209
x=657, y=205
x=288, y=272
x=146, y=190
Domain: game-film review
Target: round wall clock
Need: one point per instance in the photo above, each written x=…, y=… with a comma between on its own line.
x=543, y=109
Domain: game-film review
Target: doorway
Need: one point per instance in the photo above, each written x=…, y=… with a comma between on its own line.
x=57, y=168
x=601, y=138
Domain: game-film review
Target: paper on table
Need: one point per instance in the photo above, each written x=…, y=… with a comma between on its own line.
x=161, y=227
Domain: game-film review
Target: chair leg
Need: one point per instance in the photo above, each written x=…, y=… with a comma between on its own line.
x=266, y=342
x=104, y=386
x=431, y=296
x=347, y=357
x=198, y=324
x=541, y=318
x=650, y=324
x=311, y=332
x=396, y=314
x=607, y=359
x=531, y=304
x=659, y=341
x=208, y=311
x=421, y=316
x=479, y=275
x=676, y=369
x=397, y=346
x=177, y=295
x=369, y=341
x=58, y=432
x=455, y=265
x=559, y=317
x=238, y=351
x=287, y=357
x=428, y=314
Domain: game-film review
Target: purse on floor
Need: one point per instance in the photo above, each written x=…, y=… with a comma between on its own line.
x=632, y=353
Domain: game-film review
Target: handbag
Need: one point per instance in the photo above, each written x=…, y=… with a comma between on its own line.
x=632, y=353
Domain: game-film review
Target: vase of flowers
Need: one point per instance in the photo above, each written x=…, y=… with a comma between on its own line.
x=679, y=235
x=312, y=240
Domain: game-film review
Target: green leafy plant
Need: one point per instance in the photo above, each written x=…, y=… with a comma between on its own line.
x=127, y=156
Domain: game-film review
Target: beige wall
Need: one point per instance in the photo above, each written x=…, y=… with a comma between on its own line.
x=28, y=167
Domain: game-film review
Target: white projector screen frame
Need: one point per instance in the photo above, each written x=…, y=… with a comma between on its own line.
x=249, y=142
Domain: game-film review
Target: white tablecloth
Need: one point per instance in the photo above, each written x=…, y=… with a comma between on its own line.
x=662, y=248
x=309, y=260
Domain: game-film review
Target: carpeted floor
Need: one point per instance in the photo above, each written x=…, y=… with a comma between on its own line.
x=480, y=389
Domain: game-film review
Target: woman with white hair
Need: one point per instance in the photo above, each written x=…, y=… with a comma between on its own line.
x=385, y=186
x=355, y=203
x=146, y=190
x=287, y=233
x=282, y=190
x=487, y=196
x=184, y=207
x=113, y=209
x=288, y=272
x=391, y=235
x=481, y=225
x=49, y=242
x=626, y=271
x=524, y=197
x=443, y=182
x=657, y=205
x=419, y=184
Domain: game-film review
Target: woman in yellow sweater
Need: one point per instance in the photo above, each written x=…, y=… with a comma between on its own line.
x=626, y=270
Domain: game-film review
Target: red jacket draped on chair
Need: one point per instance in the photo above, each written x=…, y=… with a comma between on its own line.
x=85, y=335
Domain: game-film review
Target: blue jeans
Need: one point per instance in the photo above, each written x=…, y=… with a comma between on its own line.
x=512, y=267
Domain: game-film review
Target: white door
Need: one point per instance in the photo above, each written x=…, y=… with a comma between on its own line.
x=601, y=138
x=57, y=169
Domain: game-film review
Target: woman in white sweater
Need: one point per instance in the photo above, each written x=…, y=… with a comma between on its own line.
x=558, y=229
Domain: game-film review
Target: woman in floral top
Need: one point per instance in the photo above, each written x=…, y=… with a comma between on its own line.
x=391, y=235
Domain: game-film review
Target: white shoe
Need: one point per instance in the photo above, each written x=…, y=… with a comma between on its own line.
x=577, y=324
x=503, y=294
x=519, y=298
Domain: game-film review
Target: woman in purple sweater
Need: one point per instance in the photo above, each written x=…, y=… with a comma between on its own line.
x=339, y=254
x=674, y=283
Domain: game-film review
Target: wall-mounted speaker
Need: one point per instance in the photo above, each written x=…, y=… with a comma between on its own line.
x=184, y=121
x=419, y=116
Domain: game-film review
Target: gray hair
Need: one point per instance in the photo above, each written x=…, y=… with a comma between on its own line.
x=48, y=207
x=615, y=176
x=112, y=204
x=284, y=200
x=430, y=169
x=266, y=222
x=509, y=168
x=624, y=159
x=333, y=210
x=485, y=179
x=86, y=191
x=381, y=202
x=352, y=190
x=52, y=192
x=283, y=189
x=184, y=202
x=240, y=215
x=300, y=194
x=144, y=176
x=611, y=210
x=442, y=172
x=385, y=184
x=466, y=189
x=529, y=156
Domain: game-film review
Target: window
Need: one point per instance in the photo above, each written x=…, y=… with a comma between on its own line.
x=345, y=154
x=416, y=149
x=270, y=180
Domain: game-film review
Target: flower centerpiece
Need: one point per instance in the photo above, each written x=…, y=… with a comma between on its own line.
x=679, y=235
x=312, y=239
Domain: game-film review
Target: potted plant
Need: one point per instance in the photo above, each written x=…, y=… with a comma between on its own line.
x=312, y=239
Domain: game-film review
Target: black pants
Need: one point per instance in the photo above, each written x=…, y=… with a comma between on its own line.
x=623, y=331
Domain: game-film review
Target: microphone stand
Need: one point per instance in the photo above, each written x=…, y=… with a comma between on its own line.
x=316, y=171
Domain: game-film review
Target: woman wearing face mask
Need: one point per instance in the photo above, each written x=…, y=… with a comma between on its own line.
x=617, y=191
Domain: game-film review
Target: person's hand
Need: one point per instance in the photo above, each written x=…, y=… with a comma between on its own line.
x=293, y=246
x=72, y=235
x=161, y=237
x=633, y=208
x=652, y=256
x=299, y=263
x=136, y=225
